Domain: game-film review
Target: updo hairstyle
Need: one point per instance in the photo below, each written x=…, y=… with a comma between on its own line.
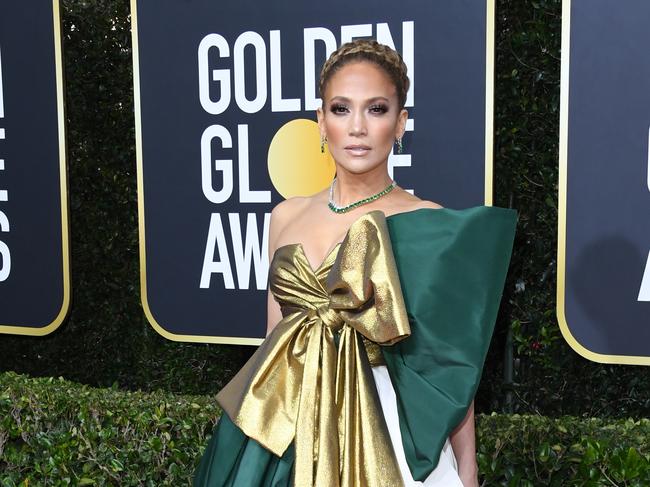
x=369, y=50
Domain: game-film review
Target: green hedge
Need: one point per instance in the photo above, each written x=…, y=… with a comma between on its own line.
x=106, y=339
x=522, y=451
x=56, y=432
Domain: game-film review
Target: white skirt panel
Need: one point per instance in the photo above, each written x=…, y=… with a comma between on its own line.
x=446, y=473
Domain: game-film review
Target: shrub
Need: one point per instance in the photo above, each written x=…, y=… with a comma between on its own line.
x=516, y=450
x=56, y=432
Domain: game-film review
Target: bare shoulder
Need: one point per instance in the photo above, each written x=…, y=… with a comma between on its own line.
x=426, y=204
x=408, y=202
x=287, y=209
x=282, y=215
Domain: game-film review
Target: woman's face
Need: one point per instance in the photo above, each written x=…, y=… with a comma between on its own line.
x=360, y=117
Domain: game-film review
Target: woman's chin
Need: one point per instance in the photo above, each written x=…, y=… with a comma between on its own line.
x=358, y=165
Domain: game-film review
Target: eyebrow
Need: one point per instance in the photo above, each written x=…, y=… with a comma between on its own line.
x=369, y=100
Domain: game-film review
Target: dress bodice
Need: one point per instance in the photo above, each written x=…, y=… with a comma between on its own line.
x=298, y=287
x=293, y=282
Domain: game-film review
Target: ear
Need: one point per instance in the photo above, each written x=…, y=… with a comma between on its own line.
x=320, y=115
x=401, y=123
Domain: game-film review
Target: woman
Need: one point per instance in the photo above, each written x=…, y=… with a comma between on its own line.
x=380, y=309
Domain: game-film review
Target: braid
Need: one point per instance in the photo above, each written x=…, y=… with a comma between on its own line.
x=368, y=50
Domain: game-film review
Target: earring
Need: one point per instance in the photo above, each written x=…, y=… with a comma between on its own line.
x=399, y=145
x=323, y=141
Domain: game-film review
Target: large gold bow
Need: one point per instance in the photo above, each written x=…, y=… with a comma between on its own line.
x=299, y=385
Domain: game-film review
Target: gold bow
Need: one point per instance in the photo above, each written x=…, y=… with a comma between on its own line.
x=299, y=385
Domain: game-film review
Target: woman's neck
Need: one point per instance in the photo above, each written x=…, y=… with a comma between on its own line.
x=351, y=187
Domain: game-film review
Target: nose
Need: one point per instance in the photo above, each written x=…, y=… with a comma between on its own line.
x=358, y=123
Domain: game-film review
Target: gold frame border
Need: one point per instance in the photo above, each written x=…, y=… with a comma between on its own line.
x=562, y=206
x=489, y=101
x=63, y=187
x=489, y=154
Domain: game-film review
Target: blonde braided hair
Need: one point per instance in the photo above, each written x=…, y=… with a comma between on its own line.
x=369, y=50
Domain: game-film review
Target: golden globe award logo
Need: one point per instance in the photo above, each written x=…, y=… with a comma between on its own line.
x=295, y=164
x=225, y=107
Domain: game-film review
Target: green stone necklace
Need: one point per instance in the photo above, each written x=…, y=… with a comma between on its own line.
x=342, y=209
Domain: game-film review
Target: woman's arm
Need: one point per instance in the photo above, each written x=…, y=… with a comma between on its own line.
x=273, y=313
x=276, y=224
x=463, y=442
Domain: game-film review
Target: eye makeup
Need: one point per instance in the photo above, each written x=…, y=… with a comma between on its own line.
x=376, y=108
x=338, y=108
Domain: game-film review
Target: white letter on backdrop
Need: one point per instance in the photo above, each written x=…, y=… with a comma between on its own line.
x=223, y=165
x=222, y=266
x=222, y=76
x=246, y=195
x=311, y=35
x=644, y=292
x=5, y=270
x=349, y=32
x=247, y=248
x=259, y=47
x=278, y=104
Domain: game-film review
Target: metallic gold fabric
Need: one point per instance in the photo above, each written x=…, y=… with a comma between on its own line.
x=375, y=357
x=300, y=386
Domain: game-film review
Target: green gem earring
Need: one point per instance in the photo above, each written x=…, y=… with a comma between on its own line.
x=323, y=140
x=400, y=147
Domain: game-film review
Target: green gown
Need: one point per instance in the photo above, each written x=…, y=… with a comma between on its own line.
x=451, y=266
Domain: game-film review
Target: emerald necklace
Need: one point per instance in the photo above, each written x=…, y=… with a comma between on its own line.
x=342, y=209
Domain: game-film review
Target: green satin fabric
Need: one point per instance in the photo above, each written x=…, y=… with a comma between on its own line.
x=452, y=266
x=231, y=459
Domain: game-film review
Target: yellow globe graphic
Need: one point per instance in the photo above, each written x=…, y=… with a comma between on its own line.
x=296, y=165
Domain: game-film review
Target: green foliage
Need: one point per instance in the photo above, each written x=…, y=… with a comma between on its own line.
x=55, y=432
x=524, y=451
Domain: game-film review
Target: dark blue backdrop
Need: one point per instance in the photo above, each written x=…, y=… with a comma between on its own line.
x=607, y=235
x=447, y=145
x=35, y=295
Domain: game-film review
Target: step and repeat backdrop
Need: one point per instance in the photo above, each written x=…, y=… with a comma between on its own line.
x=34, y=259
x=225, y=129
x=225, y=124
x=603, y=289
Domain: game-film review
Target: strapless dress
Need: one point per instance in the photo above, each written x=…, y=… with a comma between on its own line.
x=375, y=361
